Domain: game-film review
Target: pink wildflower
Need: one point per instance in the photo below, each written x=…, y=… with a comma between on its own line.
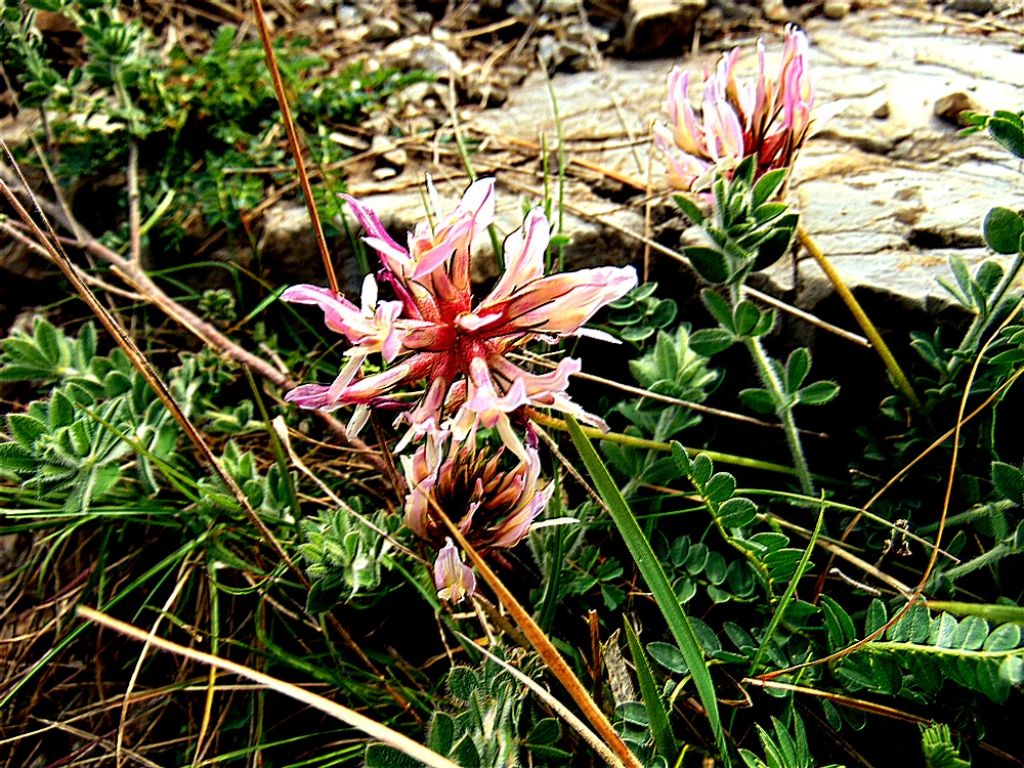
x=453, y=579
x=492, y=506
x=433, y=332
x=766, y=118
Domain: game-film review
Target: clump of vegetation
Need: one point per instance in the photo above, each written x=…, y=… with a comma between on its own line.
x=204, y=123
x=483, y=567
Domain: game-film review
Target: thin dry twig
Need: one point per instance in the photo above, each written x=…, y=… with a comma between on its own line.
x=294, y=144
x=372, y=728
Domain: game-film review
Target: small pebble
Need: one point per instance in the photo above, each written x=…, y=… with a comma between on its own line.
x=384, y=173
x=949, y=107
x=836, y=9
x=383, y=29
x=882, y=111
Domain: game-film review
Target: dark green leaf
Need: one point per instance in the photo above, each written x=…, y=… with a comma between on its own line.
x=719, y=308
x=709, y=263
x=818, y=393
x=747, y=318
x=690, y=209
x=711, y=341
x=737, y=513
x=1003, y=229
x=767, y=186
x=1007, y=133
x=759, y=400
x=1008, y=481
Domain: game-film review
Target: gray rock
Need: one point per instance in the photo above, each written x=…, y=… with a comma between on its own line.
x=653, y=25
x=422, y=52
x=885, y=191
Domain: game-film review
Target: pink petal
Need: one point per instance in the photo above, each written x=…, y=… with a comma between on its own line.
x=392, y=254
x=453, y=579
x=524, y=257
x=562, y=303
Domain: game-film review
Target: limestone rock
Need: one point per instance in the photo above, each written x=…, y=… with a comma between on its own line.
x=652, y=26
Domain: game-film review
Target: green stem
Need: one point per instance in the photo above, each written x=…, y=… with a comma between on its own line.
x=783, y=409
x=859, y=315
x=638, y=442
x=983, y=319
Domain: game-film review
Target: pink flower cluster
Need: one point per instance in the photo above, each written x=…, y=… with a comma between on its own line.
x=766, y=118
x=434, y=337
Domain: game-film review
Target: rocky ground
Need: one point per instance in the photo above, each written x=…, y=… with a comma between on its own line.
x=887, y=187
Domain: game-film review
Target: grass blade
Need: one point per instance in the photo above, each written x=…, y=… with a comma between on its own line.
x=656, y=580
x=661, y=729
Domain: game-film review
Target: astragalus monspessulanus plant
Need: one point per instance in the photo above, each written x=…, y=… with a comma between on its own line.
x=445, y=366
x=735, y=161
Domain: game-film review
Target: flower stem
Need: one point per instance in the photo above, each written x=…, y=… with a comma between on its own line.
x=654, y=445
x=783, y=409
x=859, y=315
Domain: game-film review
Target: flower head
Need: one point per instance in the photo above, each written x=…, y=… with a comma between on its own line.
x=492, y=505
x=766, y=118
x=434, y=332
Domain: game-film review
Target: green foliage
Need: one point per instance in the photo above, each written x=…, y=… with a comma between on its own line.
x=73, y=448
x=920, y=652
x=484, y=732
x=345, y=553
x=202, y=123
x=784, y=748
x=747, y=231
x=939, y=750
x=639, y=314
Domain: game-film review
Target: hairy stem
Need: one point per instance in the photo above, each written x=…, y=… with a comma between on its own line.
x=783, y=409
